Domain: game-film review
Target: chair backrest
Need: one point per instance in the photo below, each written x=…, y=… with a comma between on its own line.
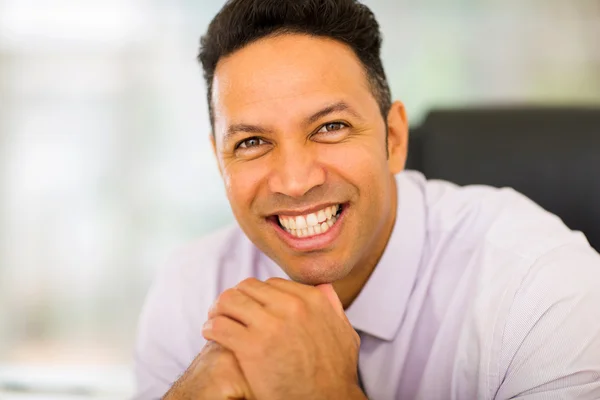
x=552, y=155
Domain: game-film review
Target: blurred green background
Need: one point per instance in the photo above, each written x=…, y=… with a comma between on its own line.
x=105, y=164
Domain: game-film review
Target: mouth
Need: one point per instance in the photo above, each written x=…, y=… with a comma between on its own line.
x=312, y=224
x=311, y=231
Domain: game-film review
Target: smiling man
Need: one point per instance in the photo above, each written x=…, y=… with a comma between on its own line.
x=345, y=276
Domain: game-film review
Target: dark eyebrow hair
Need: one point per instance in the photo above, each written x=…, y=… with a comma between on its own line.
x=336, y=107
x=234, y=129
x=247, y=128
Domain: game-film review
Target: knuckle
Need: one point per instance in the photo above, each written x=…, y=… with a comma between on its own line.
x=226, y=296
x=274, y=280
x=296, y=307
x=248, y=282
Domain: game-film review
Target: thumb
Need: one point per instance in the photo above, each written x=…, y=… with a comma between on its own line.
x=334, y=300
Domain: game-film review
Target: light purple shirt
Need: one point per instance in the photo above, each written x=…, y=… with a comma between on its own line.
x=480, y=294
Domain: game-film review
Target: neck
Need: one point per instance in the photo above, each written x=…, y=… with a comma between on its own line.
x=350, y=287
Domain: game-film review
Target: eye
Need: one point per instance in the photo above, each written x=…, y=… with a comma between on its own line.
x=250, y=142
x=332, y=126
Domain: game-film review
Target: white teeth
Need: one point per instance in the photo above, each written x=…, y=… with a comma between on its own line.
x=284, y=222
x=300, y=222
x=312, y=224
x=311, y=219
x=321, y=217
x=331, y=221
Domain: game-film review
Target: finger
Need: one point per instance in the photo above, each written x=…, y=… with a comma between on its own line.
x=329, y=292
x=239, y=306
x=316, y=295
x=311, y=294
x=291, y=287
x=225, y=331
x=268, y=295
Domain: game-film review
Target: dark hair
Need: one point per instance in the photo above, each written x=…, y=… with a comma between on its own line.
x=241, y=22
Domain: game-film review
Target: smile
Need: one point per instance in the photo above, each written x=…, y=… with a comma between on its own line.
x=316, y=223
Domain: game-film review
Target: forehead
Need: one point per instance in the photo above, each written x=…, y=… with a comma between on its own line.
x=284, y=77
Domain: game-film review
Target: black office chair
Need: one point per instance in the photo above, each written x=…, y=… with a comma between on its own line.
x=552, y=155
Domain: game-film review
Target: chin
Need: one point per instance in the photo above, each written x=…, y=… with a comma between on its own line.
x=311, y=274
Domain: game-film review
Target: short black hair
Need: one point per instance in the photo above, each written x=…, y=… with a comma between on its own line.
x=241, y=22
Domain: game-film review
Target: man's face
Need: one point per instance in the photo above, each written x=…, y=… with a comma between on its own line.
x=301, y=145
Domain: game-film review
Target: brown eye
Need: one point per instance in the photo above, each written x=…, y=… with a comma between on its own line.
x=332, y=126
x=250, y=142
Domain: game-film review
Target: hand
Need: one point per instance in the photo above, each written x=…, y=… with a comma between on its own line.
x=292, y=341
x=213, y=375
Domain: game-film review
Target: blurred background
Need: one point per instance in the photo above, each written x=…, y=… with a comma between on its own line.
x=105, y=164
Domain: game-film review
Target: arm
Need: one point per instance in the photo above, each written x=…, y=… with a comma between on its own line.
x=213, y=375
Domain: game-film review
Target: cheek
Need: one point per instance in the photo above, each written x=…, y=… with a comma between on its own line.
x=364, y=165
x=242, y=183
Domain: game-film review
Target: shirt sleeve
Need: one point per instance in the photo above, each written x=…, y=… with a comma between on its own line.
x=551, y=340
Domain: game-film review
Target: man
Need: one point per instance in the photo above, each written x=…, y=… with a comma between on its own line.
x=345, y=276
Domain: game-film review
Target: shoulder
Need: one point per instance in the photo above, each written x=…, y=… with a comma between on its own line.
x=479, y=215
x=559, y=286
x=533, y=296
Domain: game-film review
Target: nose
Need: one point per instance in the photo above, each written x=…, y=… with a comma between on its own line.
x=296, y=171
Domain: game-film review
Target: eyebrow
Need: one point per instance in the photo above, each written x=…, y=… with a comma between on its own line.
x=336, y=107
x=235, y=129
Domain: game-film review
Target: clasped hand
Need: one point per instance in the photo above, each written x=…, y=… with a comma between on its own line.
x=288, y=341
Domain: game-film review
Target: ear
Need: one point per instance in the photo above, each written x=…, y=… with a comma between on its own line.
x=397, y=139
x=214, y=149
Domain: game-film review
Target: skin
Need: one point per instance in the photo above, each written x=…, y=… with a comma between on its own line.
x=291, y=339
x=274, y=85
x=213, y=375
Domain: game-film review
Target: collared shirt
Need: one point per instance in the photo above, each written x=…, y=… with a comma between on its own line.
x=480, y=294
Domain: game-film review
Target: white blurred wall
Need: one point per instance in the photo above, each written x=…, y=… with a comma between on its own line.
x=105, y=165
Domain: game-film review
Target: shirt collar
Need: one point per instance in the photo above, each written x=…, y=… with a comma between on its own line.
x=381, y=305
